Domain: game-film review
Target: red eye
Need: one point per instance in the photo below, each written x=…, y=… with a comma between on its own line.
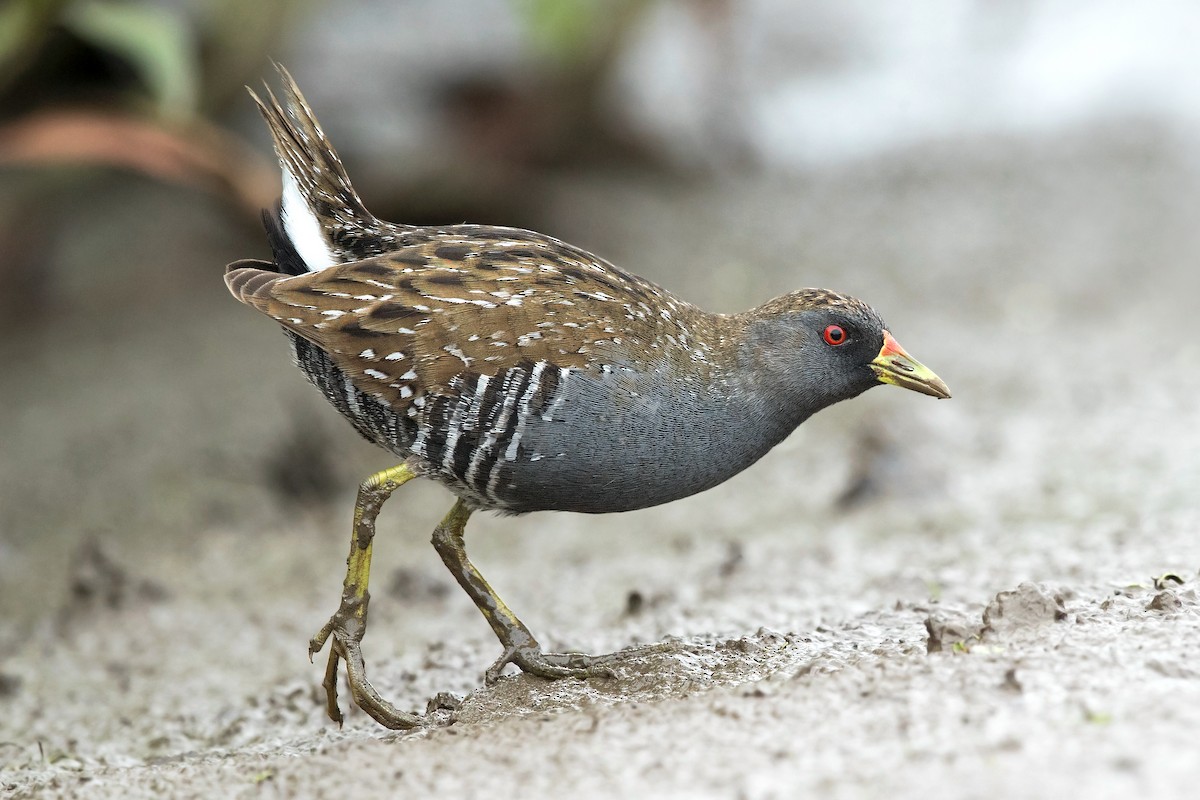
x=834, y=335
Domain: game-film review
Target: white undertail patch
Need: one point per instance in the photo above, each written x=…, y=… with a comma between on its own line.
x=303, y=229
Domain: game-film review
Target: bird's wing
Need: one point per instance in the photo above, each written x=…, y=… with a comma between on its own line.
x=403, y=325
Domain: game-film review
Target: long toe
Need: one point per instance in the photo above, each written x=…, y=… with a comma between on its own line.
x=552, y=666
x=330, y=684
x=364, y=694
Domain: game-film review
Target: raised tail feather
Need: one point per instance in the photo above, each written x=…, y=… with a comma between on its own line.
x=320, y=220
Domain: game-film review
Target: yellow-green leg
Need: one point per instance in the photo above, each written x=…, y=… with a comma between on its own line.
x=349, y=622
x=520, y=647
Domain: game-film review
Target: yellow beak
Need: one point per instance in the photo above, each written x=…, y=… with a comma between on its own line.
x=898, y=368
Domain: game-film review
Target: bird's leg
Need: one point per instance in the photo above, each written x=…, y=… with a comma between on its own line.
x=520, y=647
x=349, y=622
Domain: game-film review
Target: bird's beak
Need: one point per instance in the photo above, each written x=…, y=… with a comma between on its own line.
x=898, y=368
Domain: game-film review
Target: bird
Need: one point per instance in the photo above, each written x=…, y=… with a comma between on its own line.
x=525, y=374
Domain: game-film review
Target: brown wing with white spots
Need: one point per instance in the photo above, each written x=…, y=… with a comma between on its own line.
x=405, y=324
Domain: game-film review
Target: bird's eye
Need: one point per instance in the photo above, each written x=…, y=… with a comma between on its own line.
x=834, y=335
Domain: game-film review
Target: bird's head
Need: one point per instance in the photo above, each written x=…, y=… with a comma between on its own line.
x=813, y=348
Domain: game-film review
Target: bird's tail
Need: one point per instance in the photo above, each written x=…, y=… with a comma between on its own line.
x=320, y=220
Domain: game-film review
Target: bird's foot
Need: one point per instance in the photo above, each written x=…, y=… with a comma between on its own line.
x=346, y=629
x=529, y=657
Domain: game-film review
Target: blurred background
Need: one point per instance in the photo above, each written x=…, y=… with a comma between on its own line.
x=1012, y=184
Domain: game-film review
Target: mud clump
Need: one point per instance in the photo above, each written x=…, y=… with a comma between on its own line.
x=1165, y=601
x=946, y=630
x=1022, y=610
x=1025, y=609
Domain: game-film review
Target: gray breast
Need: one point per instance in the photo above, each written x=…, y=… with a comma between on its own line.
x=538, y=437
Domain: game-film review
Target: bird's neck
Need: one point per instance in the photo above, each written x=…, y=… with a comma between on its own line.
x=760, y=414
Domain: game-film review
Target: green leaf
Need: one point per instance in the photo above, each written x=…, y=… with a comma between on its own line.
x=562, y=28
x=16, y=25
x=23, y=24
x=154, y=41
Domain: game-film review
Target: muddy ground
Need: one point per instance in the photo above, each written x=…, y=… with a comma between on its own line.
x=991, y=596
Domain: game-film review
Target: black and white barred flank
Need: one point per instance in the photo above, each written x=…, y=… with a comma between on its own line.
x=469, y=439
